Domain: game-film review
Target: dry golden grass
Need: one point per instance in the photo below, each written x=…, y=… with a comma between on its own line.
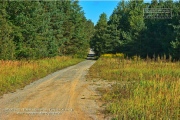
x=144, y=89
x=17, y=74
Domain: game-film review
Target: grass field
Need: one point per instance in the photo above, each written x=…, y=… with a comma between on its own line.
x=143, y=89
x=17, y=74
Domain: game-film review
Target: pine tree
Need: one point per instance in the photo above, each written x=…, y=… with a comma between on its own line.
x=68, y=27
x=113, y=42
x=7, y=45
x=137, y=25
x=75, y=38
x=98, y=41
x=175, y=44
x=25, y=15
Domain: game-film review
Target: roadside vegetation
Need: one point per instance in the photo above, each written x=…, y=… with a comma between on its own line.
x=17, y=74
x=143, y=88
x=128, y=31
x=43, y=29
x=31, y=38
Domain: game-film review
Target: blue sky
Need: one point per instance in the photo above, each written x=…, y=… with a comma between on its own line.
x=93, y=8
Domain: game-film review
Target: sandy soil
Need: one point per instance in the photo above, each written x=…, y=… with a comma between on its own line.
x=63, y=95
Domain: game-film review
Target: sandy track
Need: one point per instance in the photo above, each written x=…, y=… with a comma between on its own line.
x=63, y=95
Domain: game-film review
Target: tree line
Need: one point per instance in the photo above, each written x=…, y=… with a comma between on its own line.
x=39, y=29
x=128, y=31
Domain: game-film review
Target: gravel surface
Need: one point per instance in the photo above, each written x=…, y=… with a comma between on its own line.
x=63, y=95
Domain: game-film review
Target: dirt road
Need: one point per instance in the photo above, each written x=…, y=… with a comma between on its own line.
x=63, y=95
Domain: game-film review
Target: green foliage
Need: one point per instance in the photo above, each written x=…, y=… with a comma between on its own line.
x=39, y=29
x=98, y=41
x=7, y=45
x=175, y=44
x=128, y=32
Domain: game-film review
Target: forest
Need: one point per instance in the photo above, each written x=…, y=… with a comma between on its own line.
x=41, y=29
x=128, y=31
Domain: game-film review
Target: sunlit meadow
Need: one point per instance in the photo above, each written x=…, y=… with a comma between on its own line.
x=17, y=74
x=143, y=90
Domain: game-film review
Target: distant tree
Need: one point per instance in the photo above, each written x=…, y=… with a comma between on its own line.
x=113, y=42
x=99, y=39
x=76, y=30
